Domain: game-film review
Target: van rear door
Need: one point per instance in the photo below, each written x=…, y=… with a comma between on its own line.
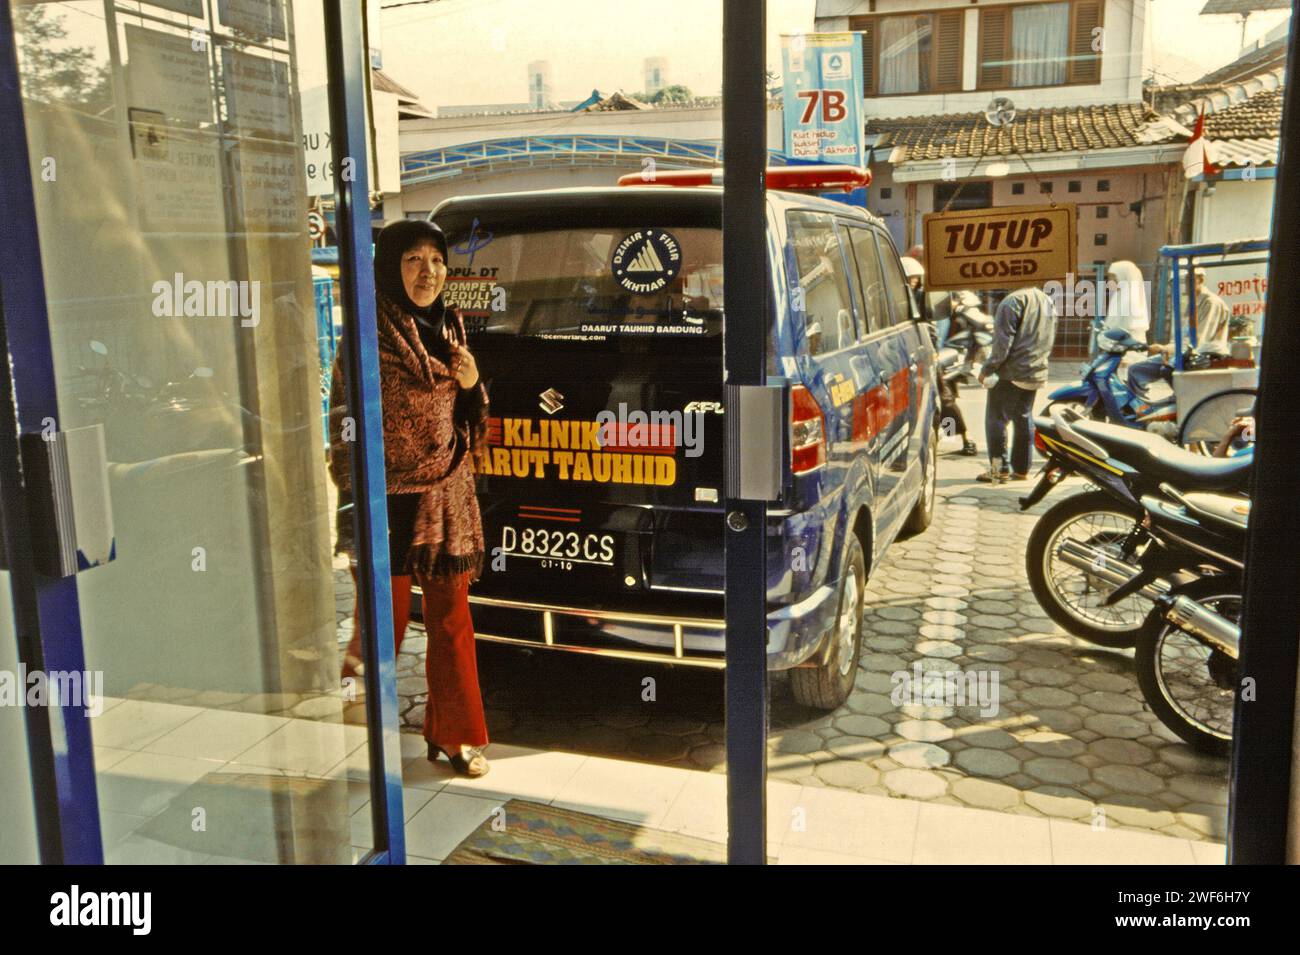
x=597, y=327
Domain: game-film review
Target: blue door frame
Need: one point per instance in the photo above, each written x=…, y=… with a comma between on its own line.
x=47, y=613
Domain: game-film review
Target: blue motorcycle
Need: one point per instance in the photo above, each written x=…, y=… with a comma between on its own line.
x=1104, y=395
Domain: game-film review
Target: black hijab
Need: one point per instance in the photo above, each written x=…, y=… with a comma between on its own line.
x=393, y=242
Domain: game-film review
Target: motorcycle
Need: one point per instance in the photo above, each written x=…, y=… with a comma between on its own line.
x=1124, y=466
x=1102, y=394
x=146, y=420
x=970, y=334
x=1191, y=572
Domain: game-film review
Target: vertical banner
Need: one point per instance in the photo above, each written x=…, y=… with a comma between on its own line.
x=822, y=97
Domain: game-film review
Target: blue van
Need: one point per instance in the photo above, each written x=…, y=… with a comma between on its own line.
x=596, y=317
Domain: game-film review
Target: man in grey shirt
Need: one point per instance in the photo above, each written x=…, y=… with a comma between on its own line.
x=1024, y=329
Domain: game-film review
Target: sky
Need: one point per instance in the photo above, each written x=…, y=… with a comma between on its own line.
x=457, y=52
x=484, y=46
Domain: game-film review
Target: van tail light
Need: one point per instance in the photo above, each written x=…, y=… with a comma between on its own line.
x=807, y=431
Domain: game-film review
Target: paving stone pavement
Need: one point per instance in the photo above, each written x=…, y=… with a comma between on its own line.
x=1070, y=738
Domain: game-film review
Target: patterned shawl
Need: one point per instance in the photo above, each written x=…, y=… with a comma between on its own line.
x=429, y=424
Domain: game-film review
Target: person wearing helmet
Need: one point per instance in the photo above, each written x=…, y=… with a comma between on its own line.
x=951, y=420
x=931, y=306
x=914, y=272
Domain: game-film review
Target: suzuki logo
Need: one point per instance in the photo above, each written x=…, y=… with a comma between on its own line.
x=550, y=402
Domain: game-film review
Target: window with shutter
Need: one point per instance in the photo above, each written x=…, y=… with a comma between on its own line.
x=994, y=36
x=868, y=28
x=948, y=30
x=1085, y=62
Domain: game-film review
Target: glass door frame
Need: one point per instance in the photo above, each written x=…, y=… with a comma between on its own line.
x=1263, y=793
x=1263, y=800
x=47, y=618
x=47, y=613
x=744, y=253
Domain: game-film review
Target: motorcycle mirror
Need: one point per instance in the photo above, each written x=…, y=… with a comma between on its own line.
x=99, y=348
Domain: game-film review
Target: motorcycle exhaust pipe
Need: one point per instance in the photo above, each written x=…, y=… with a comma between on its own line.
x=1182, y=611
x=1213, y=628
x=1112, y=570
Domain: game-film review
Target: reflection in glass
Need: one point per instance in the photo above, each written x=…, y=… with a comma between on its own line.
x=171, y=198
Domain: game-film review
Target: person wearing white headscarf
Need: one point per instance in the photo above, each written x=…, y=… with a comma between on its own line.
x=1126, y=300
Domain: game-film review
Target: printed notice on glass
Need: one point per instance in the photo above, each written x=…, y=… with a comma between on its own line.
x=257, y=94
x=269, y=189
x=191, y=8
x=166, y=74
x=178, y=185
x=264, y=18
x=318, y=161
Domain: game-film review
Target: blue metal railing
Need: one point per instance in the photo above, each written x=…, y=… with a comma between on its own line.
x=494, y=155
x=327, y=340
x=1171, y=265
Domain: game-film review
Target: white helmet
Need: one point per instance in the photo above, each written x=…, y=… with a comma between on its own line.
x=911, y=267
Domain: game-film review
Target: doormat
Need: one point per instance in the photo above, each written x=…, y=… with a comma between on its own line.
x=529, y=833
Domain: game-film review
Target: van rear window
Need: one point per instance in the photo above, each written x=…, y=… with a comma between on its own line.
x=588, y=283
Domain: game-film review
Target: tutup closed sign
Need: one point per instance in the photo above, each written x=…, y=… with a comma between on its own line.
x=1003, y=248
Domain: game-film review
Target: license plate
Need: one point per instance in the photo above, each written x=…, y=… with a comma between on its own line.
x=558, y=549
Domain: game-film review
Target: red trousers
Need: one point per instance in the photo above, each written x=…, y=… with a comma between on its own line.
x=453, y=715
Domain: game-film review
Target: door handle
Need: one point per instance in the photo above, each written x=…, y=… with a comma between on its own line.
x=68, y=494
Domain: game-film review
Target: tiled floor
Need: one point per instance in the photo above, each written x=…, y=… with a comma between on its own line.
x=1071, y=738
x=152, y=758
x=153, y=753
x=806, y=825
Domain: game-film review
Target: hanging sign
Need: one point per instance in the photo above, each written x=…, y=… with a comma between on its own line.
x=1000, y=248
x=822, y=97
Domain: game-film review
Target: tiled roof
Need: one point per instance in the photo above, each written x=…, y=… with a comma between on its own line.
x=1256, y=61
x=1059, y=129
x=1259, y=117
x=1246, y=152
x=1242, y=6
x=408, y=104
x=382, y=81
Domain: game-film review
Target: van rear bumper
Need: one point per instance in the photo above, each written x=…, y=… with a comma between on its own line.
x=795, y=632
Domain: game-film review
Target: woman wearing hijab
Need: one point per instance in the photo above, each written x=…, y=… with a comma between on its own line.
x=435, y=420
x=1126, y=300
x=1126, y=311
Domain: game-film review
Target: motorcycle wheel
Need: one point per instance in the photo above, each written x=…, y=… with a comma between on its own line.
x=1072, y=597
x=1208, y=421
x=1191, y=688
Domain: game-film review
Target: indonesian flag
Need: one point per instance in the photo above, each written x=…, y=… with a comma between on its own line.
x=1198, y=158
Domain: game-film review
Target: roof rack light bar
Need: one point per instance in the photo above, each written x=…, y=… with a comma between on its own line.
x=821, y=178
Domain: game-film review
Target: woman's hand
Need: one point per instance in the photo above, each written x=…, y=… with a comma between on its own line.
x=463, y=366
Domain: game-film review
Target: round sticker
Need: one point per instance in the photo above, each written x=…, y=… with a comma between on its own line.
x=645, y=261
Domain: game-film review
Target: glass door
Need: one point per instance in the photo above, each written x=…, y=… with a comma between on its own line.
x=18, y=844
x=170, y=188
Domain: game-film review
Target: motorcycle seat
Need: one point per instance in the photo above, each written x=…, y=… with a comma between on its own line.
x=948, y=358
x=1161, y=461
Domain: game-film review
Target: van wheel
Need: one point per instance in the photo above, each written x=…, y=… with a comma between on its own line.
x=923, y=513
x=826, y=687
